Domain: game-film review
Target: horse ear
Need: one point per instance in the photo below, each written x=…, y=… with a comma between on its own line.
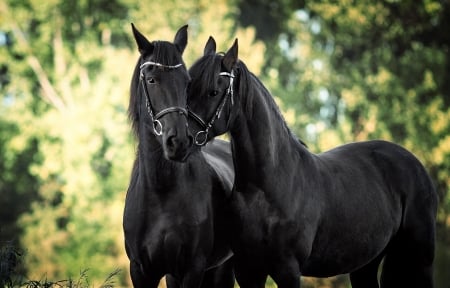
x=210, y=47
x=181, y=39
x=144, y=46
x=231, y=57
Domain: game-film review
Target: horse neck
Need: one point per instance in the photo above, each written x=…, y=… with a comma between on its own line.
x=262, y=143
x=154, y=169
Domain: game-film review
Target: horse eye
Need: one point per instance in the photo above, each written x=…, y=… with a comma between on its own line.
x=151, y=81
x=213, y=93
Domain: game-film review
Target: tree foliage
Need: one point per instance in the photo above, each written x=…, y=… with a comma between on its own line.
x=341, y=71
x=64, y=102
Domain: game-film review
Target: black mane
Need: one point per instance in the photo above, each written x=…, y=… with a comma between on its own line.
x=247, y=90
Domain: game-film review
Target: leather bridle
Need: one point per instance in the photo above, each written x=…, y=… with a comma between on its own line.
x=157, y=126
x=201, y=137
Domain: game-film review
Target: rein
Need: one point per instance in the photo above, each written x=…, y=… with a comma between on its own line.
x=201, y=136
x=157, y=126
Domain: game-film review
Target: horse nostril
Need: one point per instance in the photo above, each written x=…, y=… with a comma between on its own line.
x=172, y=142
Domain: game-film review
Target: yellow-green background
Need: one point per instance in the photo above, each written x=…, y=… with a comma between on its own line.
x=341, y=71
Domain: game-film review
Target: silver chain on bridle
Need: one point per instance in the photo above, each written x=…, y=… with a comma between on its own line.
x=201, y=136
x=157, y=126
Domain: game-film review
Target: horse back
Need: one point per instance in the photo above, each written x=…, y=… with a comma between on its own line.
x=368, y=190
x=398, y=168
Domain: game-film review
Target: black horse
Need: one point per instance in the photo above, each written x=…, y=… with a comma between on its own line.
x=173, y=221
x=297, y=213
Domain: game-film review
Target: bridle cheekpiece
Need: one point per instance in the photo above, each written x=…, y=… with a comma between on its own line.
x=157, y=126
x=201, y=136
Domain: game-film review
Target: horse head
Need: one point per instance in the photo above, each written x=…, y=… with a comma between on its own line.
x=212, y=92
x=158, y=94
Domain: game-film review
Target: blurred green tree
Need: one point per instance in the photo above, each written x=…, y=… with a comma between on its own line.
x=341, y=71
x=71, y=127
x=18, y=186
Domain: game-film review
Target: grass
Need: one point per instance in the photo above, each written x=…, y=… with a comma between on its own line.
x=12, y=274
x=81, y=282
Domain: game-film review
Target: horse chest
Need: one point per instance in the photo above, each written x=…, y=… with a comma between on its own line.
x=149, y=219
x=167, y=238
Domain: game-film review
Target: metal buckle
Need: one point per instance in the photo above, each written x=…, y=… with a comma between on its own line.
x=201, y=142
x=157, y=127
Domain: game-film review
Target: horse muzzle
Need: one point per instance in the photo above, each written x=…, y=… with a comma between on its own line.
x=177, y=144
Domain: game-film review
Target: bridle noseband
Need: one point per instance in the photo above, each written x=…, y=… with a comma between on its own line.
x=157, y=126
x=201, y=136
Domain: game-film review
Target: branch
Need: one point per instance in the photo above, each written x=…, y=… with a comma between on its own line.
x=60, y=62
x=49, y=93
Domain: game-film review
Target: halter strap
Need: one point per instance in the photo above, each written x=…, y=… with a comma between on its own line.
x=201, y=136
x=230, y=87
x=157, y=125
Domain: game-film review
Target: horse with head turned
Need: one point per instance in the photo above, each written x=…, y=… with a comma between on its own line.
x=297, y=213
x=174, y=220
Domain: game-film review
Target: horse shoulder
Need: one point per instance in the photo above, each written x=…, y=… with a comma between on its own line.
x=218, y=157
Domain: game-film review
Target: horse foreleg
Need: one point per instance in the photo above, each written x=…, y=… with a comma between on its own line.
x=288, y=275
x=140, y=279
x=171, y=282
x=287, y=281
x=249, y=278
x=219, y=277
x=366, y=276
x=192, y=279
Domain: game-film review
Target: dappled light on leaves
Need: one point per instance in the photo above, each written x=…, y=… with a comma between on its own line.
x=341, y=71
